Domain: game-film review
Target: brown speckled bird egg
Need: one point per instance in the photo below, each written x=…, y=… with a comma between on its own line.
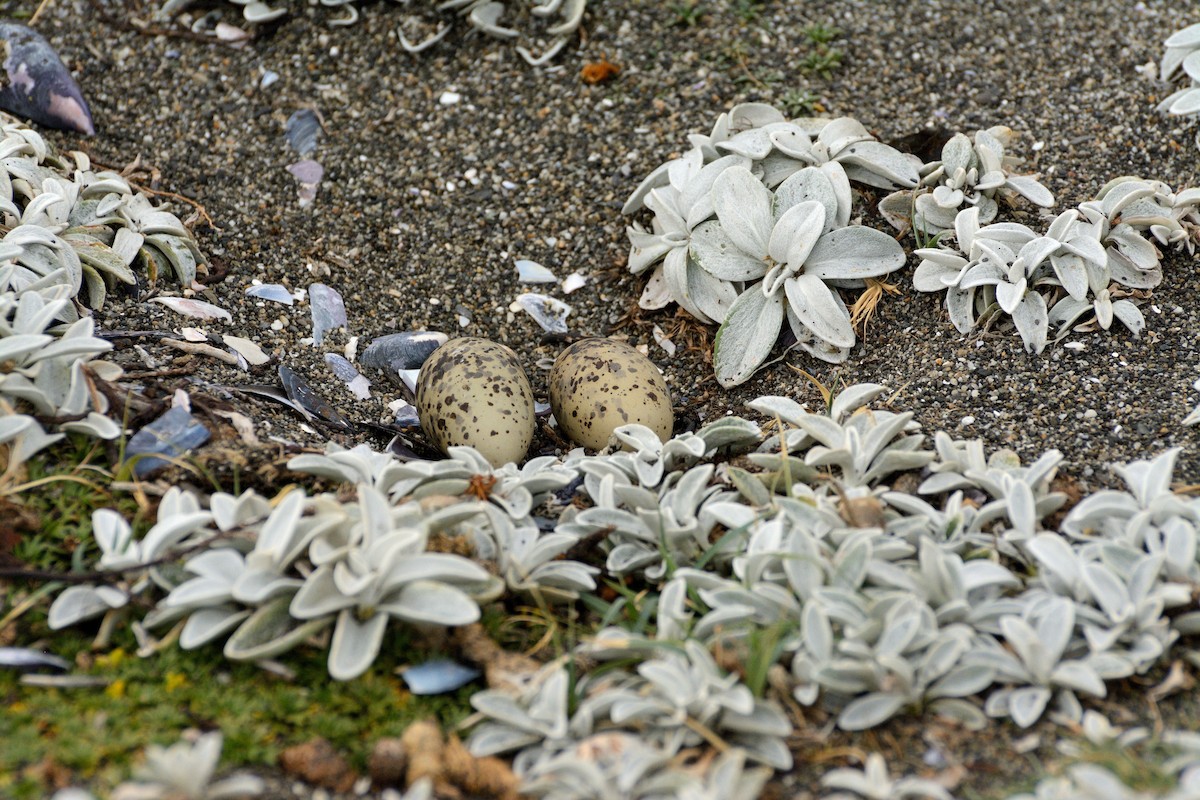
x=474, y=392
x=598, y=385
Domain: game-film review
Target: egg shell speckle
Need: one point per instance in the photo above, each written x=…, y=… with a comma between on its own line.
x=598, y=385
x=473, y=392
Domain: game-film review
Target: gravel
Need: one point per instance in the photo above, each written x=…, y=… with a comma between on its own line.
x=442, y=170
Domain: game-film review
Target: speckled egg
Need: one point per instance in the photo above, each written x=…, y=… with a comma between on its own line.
x=598, y=385
x=474, y=392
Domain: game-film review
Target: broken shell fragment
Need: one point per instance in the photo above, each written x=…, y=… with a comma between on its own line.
x=309, y=173
x=302, y=131
x=193, y=308
x=356, y=382
x=328, y=310
x=549, y=313
x=303, y=398
x=274, y=292
x=247, y=349
x=170, y=436
x=533, y=272
x=401, y=351
x=39, y=86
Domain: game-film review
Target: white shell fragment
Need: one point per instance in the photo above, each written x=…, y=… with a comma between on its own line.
x=409, y=378
x=533, y=272
x=328, y=310
x=549, y=313
x=450, y=98
x=274, y=292
x=247, y=349
x=193, y=335
x=357, y=382
x=194, y=308
x=572, y=282
x=663, y=342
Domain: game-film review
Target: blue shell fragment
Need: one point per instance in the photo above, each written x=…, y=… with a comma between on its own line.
x=401, y=351
x=171, y=435
x=37, y=85
x=343, y=369
x=303, y=128
x=438, y=676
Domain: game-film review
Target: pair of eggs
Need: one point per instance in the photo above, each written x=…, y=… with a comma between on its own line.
x=474, y=392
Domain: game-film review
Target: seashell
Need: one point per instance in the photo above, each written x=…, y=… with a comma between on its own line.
x=401, y=351
x=302, y=131
x=547, y=312
x=328, y=310
x=39, y=86
x=171, y=435
x=533, y=272
x=274, y=292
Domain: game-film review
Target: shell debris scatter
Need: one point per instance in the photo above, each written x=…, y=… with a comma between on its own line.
x=474, y=392
x=598, y=385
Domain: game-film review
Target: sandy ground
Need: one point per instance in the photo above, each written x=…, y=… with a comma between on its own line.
x=416, y=217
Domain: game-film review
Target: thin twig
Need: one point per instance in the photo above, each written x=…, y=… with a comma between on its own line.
x=110, y=335
x=42, y=6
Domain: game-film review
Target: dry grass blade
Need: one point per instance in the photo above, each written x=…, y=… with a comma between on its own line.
x=866, y=304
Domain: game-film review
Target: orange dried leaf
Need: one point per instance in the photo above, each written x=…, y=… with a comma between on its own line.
x=599, y=71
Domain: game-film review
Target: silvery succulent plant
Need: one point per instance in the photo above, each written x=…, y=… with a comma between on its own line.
x=1170, y=217
x=46, y=348
x=649, y=531
x=1034, y=662
x=185, y=770
x=793, y=253
x=874, y=783
x=1096, y=781
x=859, y=450
x=1006, y=267
x=972, y=172
x=620, y=765
x=908, y=605
x=751, y=228
x=1180, y=56
x=84, y=229
x=670, y=698
x=180, y=519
